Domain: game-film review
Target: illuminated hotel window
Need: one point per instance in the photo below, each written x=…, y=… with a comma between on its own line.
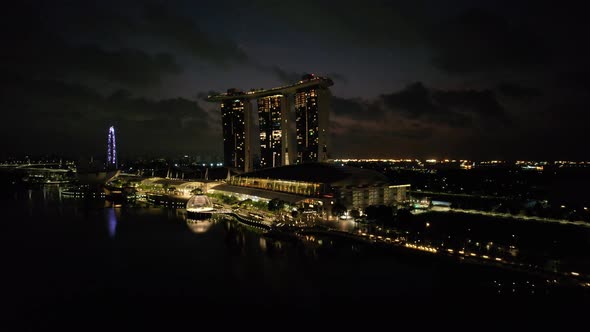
x=276, y=134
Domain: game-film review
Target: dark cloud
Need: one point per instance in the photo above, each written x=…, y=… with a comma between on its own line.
x=414, y=133
x=456, y=108
x=128, y=66
x=338, y=77
x=349, y=106
x=183, y=33
x=290, y=77
x=62, y=60
x=370, y=23
x=407, y=112
x=153, y=24
x=478, y=40
x=577, y=81
x=287, y=77
x=42, y=111
x=357, y=108
x=121, y=44
x=395, y=141
x=416, y=102
x=37, y=51
x=481, y=102
x=517, y=91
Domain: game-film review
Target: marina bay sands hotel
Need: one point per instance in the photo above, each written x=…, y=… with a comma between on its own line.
x=293, y=122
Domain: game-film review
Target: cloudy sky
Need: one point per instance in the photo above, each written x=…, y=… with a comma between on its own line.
x=456, y=79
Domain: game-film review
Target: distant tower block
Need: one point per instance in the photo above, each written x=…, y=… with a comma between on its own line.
x=236, y=127
x=312, y=111
x=111, y=150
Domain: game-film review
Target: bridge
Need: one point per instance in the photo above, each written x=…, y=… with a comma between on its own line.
x=46, y=167
x=261, y=224
x=202, y=205
x=247, y=220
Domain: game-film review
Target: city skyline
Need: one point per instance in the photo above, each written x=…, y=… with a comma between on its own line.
x=492, y=80
x=315, y=163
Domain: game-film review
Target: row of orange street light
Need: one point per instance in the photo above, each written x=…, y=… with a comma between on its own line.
x=462, y=253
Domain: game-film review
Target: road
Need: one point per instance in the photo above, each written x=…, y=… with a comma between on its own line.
x=522, y=217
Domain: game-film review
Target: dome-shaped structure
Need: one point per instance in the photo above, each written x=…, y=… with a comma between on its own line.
x=199, y=203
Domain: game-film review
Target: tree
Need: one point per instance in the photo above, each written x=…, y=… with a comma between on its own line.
x=260, y=205
x=404, y=217
x=371, y=212
x=229, y=200
x=338, y=209
x=276, y=204
x=247, y=201
x=355, y=213
x=197, y=191
x=384, y=212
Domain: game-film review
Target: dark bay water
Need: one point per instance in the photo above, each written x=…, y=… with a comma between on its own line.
x=71, y=260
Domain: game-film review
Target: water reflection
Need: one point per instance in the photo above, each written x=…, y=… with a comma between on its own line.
x=111, y=222
x=199, y=226
x=262, y=243
x=407, y=252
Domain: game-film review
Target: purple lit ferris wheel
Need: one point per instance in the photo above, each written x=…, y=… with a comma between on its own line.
x=111, y=149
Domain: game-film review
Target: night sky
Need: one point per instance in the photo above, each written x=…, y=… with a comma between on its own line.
x=424, y=79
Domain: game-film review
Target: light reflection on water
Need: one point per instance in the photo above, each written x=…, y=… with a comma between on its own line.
x=111, y=222
x=199, y=226
x=252, y=258
x=262, y=242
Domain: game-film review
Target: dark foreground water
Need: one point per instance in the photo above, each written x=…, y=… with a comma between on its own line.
x=78, y=264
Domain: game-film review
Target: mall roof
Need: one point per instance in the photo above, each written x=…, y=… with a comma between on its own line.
x=173, y=182
x=332, y=174
x=266, y=194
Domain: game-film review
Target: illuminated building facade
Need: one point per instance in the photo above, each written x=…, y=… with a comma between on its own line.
x=271, y=131
x=111, y=149
x=305, y=103
x=311, y=122
x=235, y=118
x=322, y=183
x=364, y=196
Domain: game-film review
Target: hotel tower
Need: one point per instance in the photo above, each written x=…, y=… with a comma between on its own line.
x=293, y=124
